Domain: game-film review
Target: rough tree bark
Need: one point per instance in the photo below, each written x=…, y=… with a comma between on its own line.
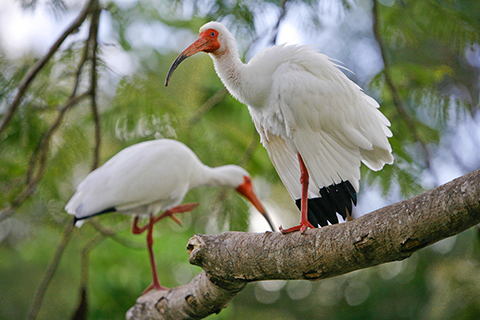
x=232, y=259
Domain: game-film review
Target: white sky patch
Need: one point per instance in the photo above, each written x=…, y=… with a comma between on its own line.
x=288, y=34
x=22, y=31
x=125, y=4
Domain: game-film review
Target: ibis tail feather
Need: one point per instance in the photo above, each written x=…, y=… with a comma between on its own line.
x=336, y=198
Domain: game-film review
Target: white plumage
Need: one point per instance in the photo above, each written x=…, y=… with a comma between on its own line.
x=150, y=177
x=305, y=109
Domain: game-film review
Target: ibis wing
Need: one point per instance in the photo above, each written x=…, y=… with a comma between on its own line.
x=286, y=163
x=136, y=176
x=333, y=124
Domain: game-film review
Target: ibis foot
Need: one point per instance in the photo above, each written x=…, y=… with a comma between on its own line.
x=154, y=287
x=301, y=227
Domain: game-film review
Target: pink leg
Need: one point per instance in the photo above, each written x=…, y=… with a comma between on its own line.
x=304, y=224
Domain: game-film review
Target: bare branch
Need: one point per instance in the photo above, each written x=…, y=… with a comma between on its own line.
x=41, y=150
x=52, y=267
x=23, y=86
x=93, y=81
x=397, y=100
x=388, y=234
x=283, y=12
x=32, y=182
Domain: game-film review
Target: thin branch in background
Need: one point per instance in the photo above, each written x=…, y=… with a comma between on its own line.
x=275, y=29
x=37, y=301
x=93, y=80
x=397, y=100
x=81, y=64
x=46, y=139
x=82, y=308
x=84, y=260
x=252, y=146
x=207, y=106
x=32, y=73
x=113, y=235
x=283, y=12
x=32, y=183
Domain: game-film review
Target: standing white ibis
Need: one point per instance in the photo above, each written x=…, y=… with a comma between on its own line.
x=150, y=177
x=316, y=124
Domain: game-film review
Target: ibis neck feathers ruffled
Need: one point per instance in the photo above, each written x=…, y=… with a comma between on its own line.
x=246, y=83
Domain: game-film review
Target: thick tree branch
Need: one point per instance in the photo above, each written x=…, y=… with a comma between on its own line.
x=196, y=300
x=232, y=259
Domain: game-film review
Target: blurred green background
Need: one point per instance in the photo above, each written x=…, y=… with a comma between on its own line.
x=425, y=54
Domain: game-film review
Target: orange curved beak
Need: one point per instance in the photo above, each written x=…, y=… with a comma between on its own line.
x=246, y=190
x=202, y=44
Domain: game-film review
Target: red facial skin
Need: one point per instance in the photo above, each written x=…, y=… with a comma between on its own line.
x=207, y=42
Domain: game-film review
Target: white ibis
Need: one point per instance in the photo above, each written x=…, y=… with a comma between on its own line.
x=149, y=177
x=316, y=124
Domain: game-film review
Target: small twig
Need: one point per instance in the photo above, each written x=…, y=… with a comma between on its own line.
x=113, y=235
x=23, y=86
x=81, y=64
x=84, y=257
x=37, y=301
x=397, y=100
x=207, y=106
x=252, y=146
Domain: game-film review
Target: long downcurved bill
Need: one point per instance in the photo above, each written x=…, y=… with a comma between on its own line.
x=199, y=45
x=248, y=193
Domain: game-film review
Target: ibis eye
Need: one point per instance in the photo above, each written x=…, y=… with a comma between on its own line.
x=212, y=34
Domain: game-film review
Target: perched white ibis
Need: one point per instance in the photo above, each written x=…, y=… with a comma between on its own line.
x=150, y=177
x=316, y=124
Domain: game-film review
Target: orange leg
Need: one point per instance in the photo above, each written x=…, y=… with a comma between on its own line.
x=304, y=224
x=138, y=230
x=155, y=284
x=169, y=213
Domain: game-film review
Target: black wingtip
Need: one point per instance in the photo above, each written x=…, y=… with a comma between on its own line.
x=108, y=210
x=336, y=198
